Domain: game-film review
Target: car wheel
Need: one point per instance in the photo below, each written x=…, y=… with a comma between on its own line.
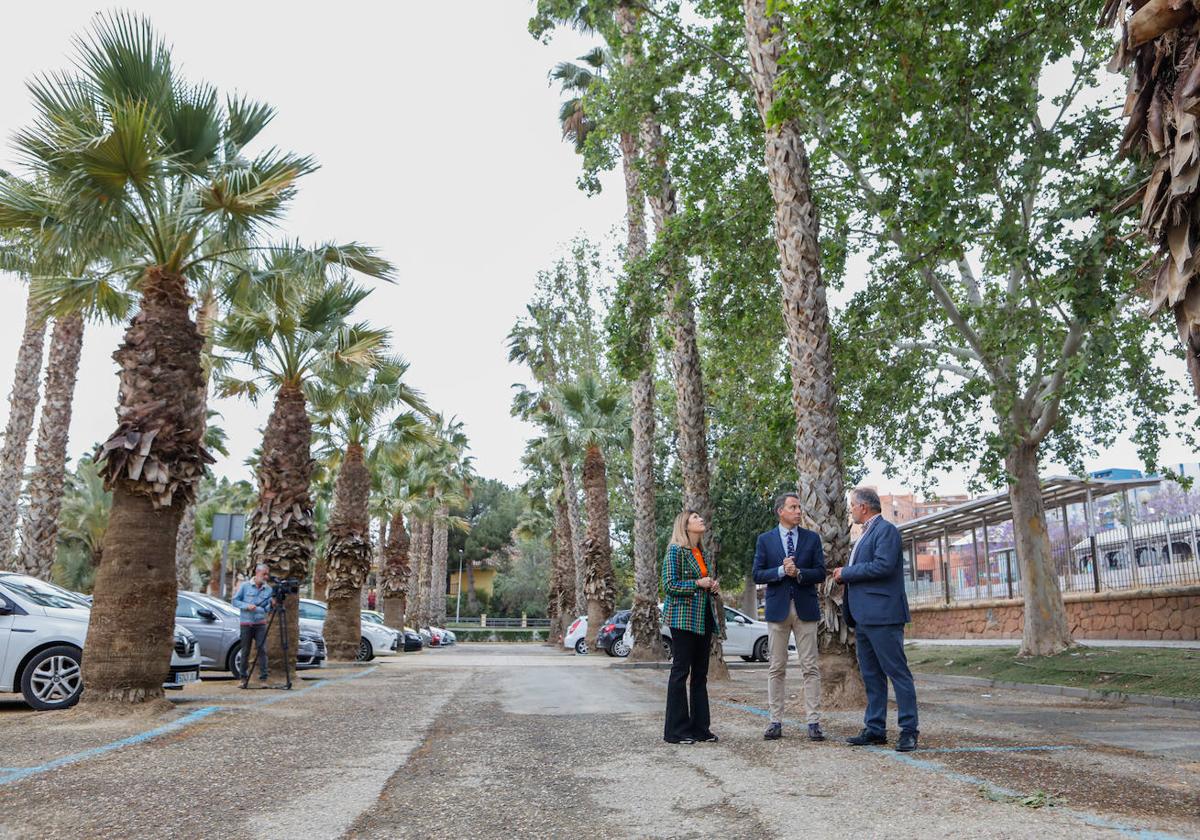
x=53, y=679
x=760, y=650
x=233, y=662
x=581, y=645
x=667, y=646
x=618, y=648
x=365, y=652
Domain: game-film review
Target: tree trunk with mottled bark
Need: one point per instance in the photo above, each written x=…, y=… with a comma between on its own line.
x=281, y=530
x=394, y=585
x=472, y=601
x=599, y=585
x=348, y=556
x=22, y=403
x=689, y=379
x=564, y=564
x=152, y=464
x=571, y=491
x=440, y=557
x=1046, y=630
x=39, y=523
x=416, y=552
x=818, y=448
x=185, y=547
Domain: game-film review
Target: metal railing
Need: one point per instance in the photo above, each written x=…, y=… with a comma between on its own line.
x=493, y=621
x=1144, y=555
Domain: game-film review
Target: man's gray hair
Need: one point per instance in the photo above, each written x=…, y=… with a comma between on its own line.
x=262, y=566
x=867, y=496
x=782, y=498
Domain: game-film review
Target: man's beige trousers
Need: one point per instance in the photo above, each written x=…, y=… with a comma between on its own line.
x=810, y=670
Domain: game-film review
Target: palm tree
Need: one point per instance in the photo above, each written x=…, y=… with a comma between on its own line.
x=83, y=518
x=453, y=490
x=806, y=316
x=185, y=539
x=595, y=418
x=351, y=409
x=22, y=402
x=288, y=323
x=578, y=80
x=146, y=157
x=395, y=503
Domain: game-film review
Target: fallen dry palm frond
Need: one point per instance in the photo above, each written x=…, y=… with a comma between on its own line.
x=1160, y=43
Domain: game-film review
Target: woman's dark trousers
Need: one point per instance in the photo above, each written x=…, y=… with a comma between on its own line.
x=689, y=655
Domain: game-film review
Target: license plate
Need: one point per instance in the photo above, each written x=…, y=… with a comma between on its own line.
x=186, y=677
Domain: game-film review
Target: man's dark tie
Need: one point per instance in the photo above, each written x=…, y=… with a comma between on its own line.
x=791, y=552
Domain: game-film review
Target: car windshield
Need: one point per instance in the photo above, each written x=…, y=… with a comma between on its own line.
x=217, y=604
x=309, y=609
x=371, y=617
x=43, y=594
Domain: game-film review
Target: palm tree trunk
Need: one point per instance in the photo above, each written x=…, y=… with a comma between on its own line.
x=281, y=530
x=394, y=586
x=152, y=463
x=22, y=403
x=380, y=564
x=416, y=551
x=441, y=556
x=564, y=565
x=689, y=380
x=599, y=585
x=427, y=573
x=1046, y=630
x=571, y=491
x=39, y=525
x=806, y=318
x=348, y=556
x=185, y=548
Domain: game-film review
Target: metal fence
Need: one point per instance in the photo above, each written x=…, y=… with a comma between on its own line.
x=474, y=620
x=1144, y=555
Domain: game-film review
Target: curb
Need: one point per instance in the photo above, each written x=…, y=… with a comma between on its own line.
x=1064, y=691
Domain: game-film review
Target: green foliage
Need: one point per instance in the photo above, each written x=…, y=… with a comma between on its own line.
x=521, y=585
x=82, y=520
x=969, y=152
x=492, y=511
x=220, y=495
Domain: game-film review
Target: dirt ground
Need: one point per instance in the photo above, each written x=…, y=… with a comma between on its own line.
x=524, y=741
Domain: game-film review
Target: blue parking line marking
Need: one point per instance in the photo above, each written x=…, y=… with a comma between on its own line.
x=1093, y=820
x=173, y=726
x=1043, y=748
x=8, y=775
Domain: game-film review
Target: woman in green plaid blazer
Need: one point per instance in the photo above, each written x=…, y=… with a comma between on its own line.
x=690, y=612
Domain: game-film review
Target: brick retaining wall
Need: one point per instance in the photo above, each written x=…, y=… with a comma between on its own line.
x=1133, y=614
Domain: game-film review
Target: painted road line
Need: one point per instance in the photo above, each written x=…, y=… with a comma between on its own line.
x=1036, y=748
x=16, y=774
x=173, y=726
x=911, y=760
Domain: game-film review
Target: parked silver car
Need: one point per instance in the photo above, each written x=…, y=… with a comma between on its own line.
x=215, y=625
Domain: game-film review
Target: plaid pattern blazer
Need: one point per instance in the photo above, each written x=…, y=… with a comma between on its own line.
x=685, y=603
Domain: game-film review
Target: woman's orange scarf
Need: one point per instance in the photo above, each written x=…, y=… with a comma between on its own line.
x=700, y=559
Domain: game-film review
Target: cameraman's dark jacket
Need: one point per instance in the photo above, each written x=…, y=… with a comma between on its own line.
x=250, y=594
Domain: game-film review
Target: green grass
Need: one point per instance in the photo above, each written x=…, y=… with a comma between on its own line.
x=1169, y=672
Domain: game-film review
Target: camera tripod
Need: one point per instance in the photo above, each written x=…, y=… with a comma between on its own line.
x=278, y=608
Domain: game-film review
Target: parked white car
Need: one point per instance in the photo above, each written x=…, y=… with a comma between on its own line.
x=744, y=636
x=376, y=640
x=42, y=632
x=576, y=637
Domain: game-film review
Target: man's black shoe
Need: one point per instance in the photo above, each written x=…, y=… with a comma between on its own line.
x=815, y=733
x=907, y=742
x=710, y=737
x=866, y=737
x=774, y=732
x=680, y=740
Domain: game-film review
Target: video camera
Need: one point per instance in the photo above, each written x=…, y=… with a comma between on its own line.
x=285, y=586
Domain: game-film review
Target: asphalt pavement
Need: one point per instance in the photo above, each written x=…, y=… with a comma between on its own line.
x=518, y=740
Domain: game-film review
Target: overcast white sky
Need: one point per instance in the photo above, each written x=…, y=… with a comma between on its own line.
x=438, y=143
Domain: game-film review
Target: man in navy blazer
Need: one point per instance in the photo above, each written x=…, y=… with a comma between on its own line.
x=790, y=561
x=876, y=606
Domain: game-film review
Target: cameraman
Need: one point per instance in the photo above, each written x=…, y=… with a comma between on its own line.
x=253, y=598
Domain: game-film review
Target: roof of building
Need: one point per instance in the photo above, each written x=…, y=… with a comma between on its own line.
x=1057, y=490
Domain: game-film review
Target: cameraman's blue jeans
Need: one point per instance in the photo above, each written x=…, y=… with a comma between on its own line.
x=258, y=634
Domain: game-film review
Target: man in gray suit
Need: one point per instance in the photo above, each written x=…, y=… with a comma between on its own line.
x=876, y=606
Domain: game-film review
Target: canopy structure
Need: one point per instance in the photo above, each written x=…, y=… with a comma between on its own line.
x=1057, y=491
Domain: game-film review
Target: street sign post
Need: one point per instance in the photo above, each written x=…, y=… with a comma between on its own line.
x=227, y=528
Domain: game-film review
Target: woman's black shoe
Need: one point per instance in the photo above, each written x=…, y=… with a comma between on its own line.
x=709, y=737
x=680, y=740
